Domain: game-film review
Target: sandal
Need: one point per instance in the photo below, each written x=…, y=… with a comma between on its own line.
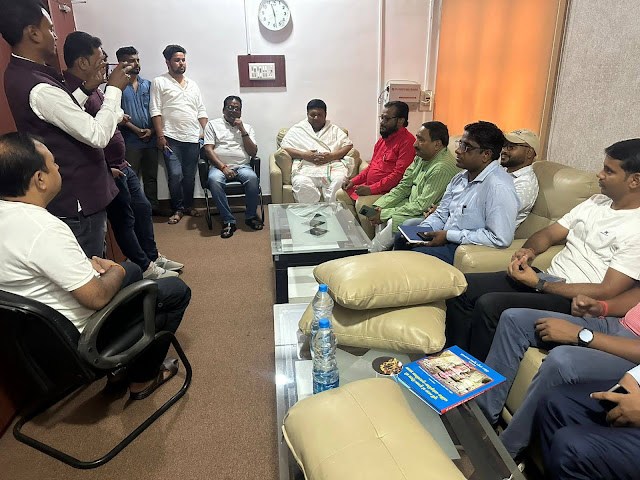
x=192, y=212
x=254, y=223
x=176, y=217
x=228, y=229
x=169, y=365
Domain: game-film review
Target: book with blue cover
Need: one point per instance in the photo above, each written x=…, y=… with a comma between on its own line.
x=447, y=379
x=410, y=232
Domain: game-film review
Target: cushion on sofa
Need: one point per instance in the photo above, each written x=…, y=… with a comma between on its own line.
x=284, y=162
x=418, y=328
x=389, y=279
x=351, y=432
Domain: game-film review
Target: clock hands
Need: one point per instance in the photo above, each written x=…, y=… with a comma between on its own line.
x=275, y=19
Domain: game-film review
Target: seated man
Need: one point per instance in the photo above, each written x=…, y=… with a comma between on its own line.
x=392, y=155
x=602, y=237
x=611, y=344
x=518, y=153
x=43, y=261
x=480, y=204
x=130, y=211
x=422, y=185
x=581, y=440
x=229, y=145
x=318, y=149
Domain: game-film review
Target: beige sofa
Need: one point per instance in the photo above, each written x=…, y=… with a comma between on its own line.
x=280, y=170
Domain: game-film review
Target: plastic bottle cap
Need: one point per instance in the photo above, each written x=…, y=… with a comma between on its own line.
x=322, y=288
x=324, y=323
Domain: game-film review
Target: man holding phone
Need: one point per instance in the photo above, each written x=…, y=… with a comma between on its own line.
x=43, y=105
x=579, y=441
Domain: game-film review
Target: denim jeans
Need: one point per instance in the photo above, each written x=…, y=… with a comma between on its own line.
x=130, y=217
x=144, y=161
x=181, y=170
x=90, y=231
x=250, y=182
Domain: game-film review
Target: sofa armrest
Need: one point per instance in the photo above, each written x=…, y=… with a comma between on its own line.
x=481, y=259
x=275, y=179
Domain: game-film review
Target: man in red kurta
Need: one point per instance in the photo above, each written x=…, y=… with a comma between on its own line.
x=392, y=154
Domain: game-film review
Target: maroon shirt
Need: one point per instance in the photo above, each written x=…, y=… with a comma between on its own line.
x=115, y=150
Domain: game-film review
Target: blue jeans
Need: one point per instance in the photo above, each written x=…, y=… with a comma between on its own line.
x=576, y=440
x=90, y=231
x=564, y=365
x=446, y=252
x=250, y=182
x=181, y=170
x=130, y=217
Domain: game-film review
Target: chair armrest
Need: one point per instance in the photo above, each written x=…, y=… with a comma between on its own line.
x=255, y=165
x=117, y=357
x=203, y=169
x=275, y=179
x=481, y=259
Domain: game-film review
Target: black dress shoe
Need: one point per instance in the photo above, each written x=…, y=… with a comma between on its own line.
x=228, y=229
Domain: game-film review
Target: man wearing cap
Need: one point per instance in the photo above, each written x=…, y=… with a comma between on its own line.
x=519, y=152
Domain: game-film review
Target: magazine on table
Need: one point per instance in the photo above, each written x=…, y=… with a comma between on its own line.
x=448, y=378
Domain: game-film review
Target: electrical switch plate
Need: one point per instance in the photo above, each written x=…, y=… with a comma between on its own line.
x=426, y=101
x=262, y=71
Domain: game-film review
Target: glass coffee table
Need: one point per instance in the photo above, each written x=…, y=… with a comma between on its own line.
x=463, y=433
x=310, y=234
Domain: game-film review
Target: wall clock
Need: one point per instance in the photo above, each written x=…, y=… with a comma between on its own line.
x=274, y=15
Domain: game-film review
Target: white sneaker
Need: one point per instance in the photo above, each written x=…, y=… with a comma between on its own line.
x=154, y=272
x=164, y=262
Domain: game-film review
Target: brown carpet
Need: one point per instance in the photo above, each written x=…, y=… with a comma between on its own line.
x=224, y=427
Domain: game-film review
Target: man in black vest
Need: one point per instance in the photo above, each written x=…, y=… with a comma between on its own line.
x=42, y=105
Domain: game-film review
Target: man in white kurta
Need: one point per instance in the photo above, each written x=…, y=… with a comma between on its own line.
x=319, y=152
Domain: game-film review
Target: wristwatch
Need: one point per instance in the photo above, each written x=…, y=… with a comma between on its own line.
x=585, y=337
x=540, y=285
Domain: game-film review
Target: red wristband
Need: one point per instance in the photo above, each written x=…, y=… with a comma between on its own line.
x=605, y=308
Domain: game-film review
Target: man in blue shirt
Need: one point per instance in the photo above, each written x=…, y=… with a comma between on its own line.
x=480, y=204
x=138, y=132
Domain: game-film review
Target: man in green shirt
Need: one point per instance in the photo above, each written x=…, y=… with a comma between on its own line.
x=422, y=185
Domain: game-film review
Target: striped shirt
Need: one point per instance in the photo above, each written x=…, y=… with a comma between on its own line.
x=424, y=182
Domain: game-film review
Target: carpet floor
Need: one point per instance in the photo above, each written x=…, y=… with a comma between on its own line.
x=224, y=427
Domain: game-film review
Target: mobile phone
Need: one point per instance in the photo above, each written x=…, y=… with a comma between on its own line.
x=368, y=211
x=426, y=236
x=110, y=67
x=608, y=404
x=167, y=151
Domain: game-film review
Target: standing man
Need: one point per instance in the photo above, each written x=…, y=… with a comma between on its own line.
x=319, y=151
x=392, y=155
x=422, y=185
x=138, y=133
x=130, y=211
x=480, y=204
x=519, y=152
x=42, y=105
x=178, y=117
x=229, y=145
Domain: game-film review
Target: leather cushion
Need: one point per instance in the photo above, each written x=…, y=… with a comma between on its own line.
x=389, y=279
x=418, y=329
x=284, y=163
x=364, y=430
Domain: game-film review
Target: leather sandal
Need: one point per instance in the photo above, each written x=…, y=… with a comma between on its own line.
x=254, y=223
x=192, y=212
x=169, y=365
x=176, y=217
x=228, y=229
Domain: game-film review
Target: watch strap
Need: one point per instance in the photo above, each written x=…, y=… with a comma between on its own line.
x=540, y=285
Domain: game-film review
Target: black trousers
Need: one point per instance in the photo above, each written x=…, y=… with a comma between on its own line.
x=472, y=317
x=173, y=299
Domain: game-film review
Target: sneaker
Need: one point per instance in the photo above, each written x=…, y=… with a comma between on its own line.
x=164, y=262
x=154, y=272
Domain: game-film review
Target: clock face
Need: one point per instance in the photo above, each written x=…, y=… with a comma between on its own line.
x=274, y=14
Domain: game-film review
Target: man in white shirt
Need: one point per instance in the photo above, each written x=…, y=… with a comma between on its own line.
x=43, y=261
x=319, y=152
x=229, y=144
x=178, y=117
x=42, y=105
x=519, y=152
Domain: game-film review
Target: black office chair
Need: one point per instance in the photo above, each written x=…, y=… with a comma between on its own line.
x=53, y=359
x=233, y=188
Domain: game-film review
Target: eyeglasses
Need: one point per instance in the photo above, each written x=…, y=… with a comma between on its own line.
x=465, y=147
x=509, y=147
x=384, y=119
x=232, y=108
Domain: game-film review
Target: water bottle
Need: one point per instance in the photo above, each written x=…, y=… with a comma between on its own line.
x=322, y=305
x=325, y=366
